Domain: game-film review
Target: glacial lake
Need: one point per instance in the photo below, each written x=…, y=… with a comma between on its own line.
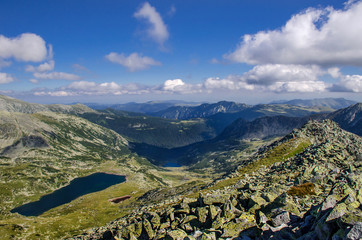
x=76, y=188
x=171, y=164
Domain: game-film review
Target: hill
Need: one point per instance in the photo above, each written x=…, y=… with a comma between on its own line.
x=304, y=186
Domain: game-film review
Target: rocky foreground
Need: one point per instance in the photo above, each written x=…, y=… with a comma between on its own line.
x=305, y=186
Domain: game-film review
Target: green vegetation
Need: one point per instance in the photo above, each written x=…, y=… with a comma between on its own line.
x=154, y=131
x=278, y=154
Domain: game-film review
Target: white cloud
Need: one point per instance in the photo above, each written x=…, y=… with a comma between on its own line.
x=157, y=29
x=44, y=67
x=53, y=93
x=179, y=86
x=334, y=72
x=349, y=83
x=316, y=36
x=300, y=86
x=270, y=73
x=172, y=85
x=35, y=81
x=27, y=47
x=5, y=78
x=57, y=76
x=273, y=78
x=134, y=62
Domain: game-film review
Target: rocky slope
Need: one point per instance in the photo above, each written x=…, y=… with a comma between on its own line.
x=305, y=186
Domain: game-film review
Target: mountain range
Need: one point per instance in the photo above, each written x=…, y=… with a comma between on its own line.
x=252, y=158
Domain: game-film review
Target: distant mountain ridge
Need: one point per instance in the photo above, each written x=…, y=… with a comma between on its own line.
x=147, y=107
x=201, y=111
x=335, y=103
x=10, y=104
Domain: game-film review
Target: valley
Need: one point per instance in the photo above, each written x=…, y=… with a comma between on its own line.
x=176, y=161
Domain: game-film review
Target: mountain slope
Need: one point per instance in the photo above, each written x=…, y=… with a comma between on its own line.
x=154, y=131
x=306, y=186
x=261, y=128
x=9, y=104
x=349, y=118
x=56, y=135
x=213, y=155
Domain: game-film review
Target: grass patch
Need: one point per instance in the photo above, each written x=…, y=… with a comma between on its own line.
x=278, y=154
x=302, y=190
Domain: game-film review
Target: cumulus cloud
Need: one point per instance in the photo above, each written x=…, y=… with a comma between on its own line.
x=157, y=29
x=5, y=78
x=28, y=47
x=300, y=86
x=133, y=62
x=270, y=73
x=44, y=67
x=315, y=36
x=57, y=76
x=349, y=83
x=274, y=78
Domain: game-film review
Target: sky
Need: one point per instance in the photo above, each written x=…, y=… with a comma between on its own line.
x=117, y=51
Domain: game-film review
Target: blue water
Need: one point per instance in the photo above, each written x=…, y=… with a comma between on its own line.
x=76, y=188
x=171, y=164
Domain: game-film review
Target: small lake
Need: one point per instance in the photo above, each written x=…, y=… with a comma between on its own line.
x=171, y=164
x=76, y=188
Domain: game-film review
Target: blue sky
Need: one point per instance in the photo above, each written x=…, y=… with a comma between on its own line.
x=119, y=51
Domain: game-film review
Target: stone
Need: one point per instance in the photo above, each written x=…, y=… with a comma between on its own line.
x=215, y=198
x=135, y=228
x=177, y=234
x=218, y=222
x=261, y=218
x=202, y=214
x=148, y=229
x=355, y=233
x=155, y=220
x=338, y=211
x=280, y=218
x=213, y=211
x=232, y=229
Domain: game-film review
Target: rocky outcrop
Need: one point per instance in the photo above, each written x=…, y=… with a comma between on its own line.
x=314, y=194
